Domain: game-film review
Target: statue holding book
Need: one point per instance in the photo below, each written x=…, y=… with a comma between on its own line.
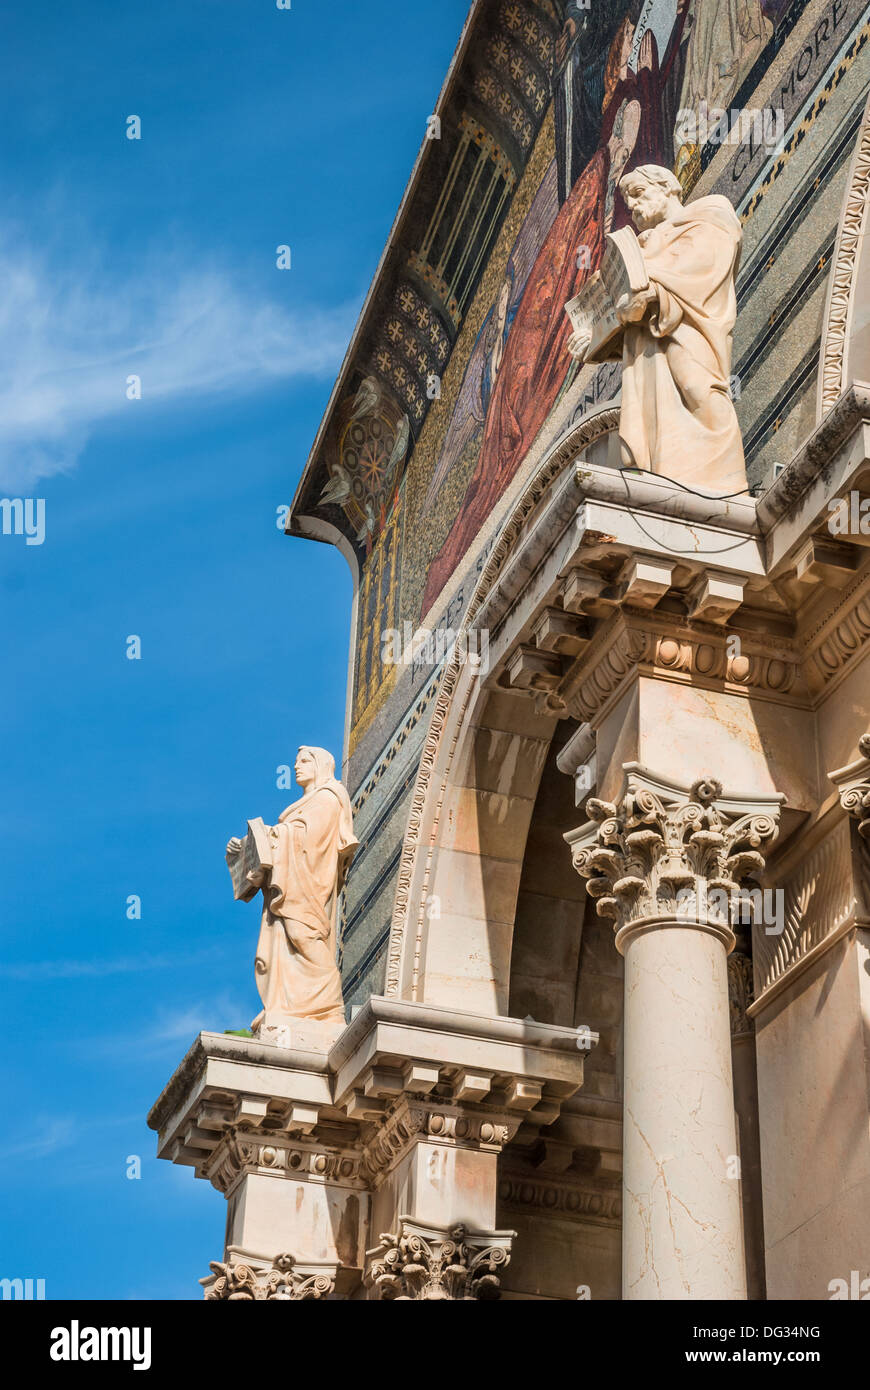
x=300, y=866
x=664, y=301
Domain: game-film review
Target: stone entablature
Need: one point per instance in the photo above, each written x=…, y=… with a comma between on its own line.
x=618, y=572
x=310, y=1148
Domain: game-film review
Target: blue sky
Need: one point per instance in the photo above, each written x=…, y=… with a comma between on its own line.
x=156, y=257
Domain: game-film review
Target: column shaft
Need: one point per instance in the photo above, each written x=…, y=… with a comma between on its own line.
x=682, y=1236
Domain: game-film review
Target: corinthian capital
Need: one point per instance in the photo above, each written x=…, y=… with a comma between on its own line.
x=855, y=798
x=281, y=1283
x=423, y=1263
x=660, y=856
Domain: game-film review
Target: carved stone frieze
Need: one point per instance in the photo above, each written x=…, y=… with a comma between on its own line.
x=666, y=646
x=420, y=1263
x=437, y=1123
x=282, y=1283
x=679, y=858
x=843, y=275
x=524, y=1192
x=243, y=1151
x=840, y=639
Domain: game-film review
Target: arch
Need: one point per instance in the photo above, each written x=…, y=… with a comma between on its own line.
x=845, y=352
x=459, y=873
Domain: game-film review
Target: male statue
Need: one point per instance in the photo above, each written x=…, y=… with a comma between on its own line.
x=300, y=864
x=677, y=417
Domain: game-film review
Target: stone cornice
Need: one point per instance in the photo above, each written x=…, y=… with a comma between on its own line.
x=238, y=1106
x=838, y=641
x=523, y=1190
x=783, y=499
x=226, y=1048
x=667, y=647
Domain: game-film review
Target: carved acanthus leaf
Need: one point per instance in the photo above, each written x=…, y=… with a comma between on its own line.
x=855, y=799
x=419, y=1264
x=281, y=1283
x=650, y=858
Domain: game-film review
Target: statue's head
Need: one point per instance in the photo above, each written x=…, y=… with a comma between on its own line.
x=651, y=193
x=314, y=766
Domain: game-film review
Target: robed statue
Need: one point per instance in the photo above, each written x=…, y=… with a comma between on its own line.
x=300, y=866
x=675, y=333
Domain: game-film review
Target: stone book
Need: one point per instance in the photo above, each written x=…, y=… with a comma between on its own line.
x=593, y=310
x=249, y=864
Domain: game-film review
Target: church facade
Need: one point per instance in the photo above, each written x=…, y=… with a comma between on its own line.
x=605, y=940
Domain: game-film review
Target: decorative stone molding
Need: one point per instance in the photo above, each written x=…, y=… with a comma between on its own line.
x=441, y=1124
x=243, y=1151
x=825, y=882
x=281, y=1283
x=666, y=646
x=526, y=1193
x=422, y=1263
x=855, y=799
x=841, y=639
x=843, y=275
x=741, y=994
x=789, y=498
x=671, y=858
x=583, y=434
x=441, y=1091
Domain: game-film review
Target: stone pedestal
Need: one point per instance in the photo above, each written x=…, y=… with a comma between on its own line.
x=254, y=1119
x=344, y=1169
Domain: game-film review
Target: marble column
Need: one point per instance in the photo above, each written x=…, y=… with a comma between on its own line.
x=669, y=869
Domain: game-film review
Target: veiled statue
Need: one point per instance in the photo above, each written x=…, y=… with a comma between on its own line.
x=673, y=327
x=300, y=866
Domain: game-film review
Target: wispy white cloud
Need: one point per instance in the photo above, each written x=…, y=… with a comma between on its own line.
x=47, y=1137
x=72, y=330
x=98, y=969
x=169, y=1028
x=184, y=1024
